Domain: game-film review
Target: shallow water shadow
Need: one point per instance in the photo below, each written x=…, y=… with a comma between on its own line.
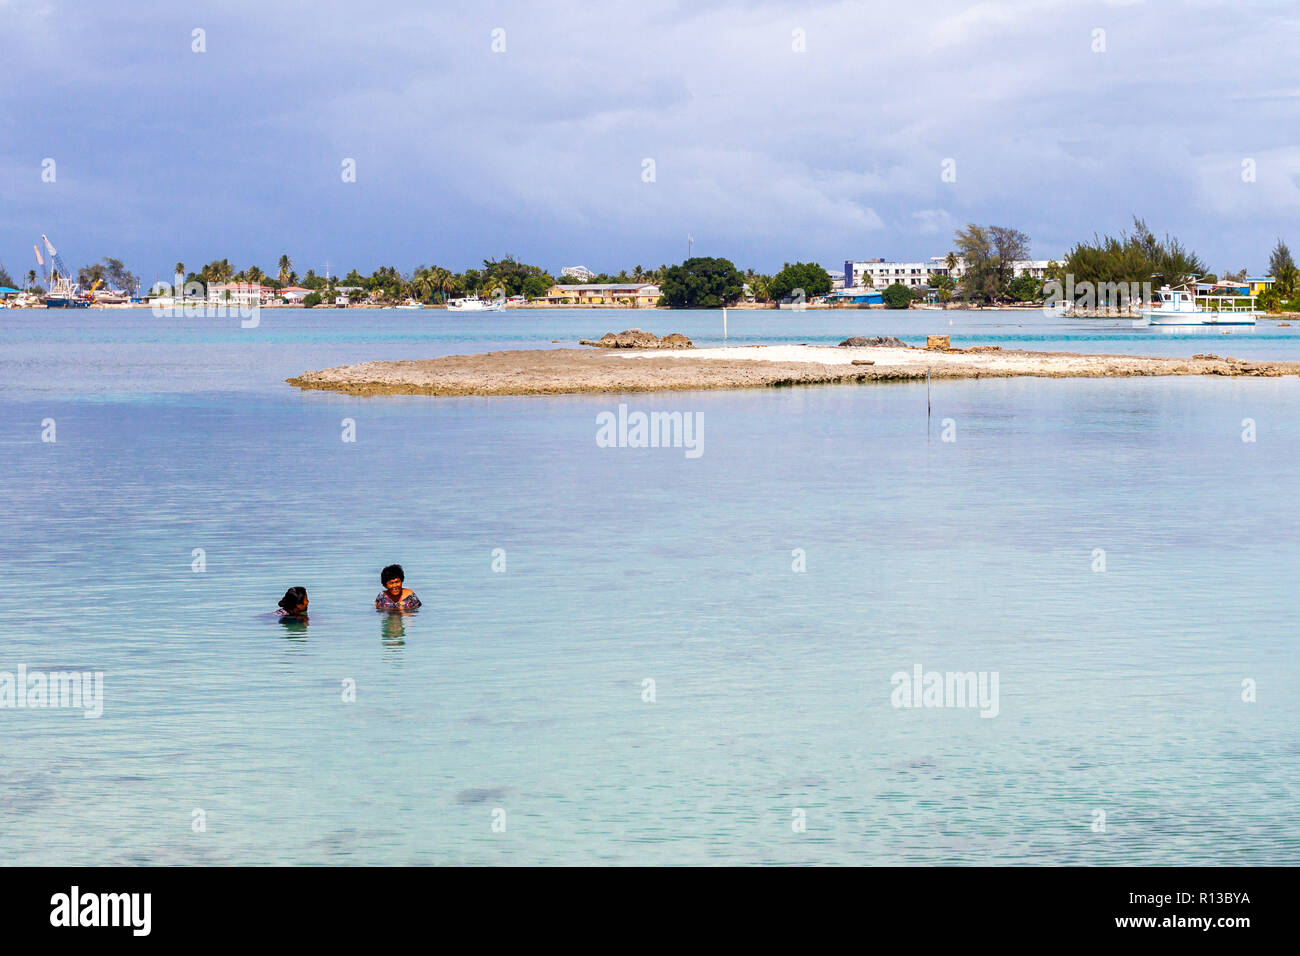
x=295, y=628
x=392, y=631
x=482, y=795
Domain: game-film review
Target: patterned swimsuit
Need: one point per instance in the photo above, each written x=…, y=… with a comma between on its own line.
x=386, y=603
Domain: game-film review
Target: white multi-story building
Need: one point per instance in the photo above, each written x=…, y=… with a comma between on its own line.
x=581, y=273
x=239, y=294
x=880, y=272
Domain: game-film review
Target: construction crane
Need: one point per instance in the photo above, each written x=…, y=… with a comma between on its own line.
x=60, y=269
x=62, y=290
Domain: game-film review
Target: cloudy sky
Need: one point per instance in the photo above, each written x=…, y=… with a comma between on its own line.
x=777, y=131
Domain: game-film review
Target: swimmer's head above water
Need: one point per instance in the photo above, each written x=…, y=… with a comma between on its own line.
x=391, y=578
x=394, y=596
x=294, y=603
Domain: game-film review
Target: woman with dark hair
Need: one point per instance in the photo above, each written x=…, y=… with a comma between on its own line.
x=394, y=597
x=293, y=604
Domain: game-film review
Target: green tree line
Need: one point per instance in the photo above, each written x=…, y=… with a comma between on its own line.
x=696, y=283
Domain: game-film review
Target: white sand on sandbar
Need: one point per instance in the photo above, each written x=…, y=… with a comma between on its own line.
x=566, y=371
x=880, y=355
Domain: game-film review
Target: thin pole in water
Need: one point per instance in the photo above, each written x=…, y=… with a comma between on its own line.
x=724, y=324
x=927, y=399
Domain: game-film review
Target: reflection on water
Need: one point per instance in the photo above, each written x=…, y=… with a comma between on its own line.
x=1207, y=332
x=392, y=629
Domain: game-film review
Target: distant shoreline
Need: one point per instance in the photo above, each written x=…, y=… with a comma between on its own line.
x=550, y=307
x=581, y=371
x=1284, y=317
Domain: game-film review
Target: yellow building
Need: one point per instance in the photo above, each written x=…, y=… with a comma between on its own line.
x=1259, y=285
x=636, y=294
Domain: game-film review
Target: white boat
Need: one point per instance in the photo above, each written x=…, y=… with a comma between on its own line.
x=473, y=303
x=409, y=304
x=1180, y=307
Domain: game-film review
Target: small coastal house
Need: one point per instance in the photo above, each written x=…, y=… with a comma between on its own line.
x=1230, y=287
x=859, y=296
x=636, y=294
x=294, y=293
x=1259, y=284
x=343, y=294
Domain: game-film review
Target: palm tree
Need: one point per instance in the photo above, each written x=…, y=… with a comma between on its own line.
x=31, y=278
x=443, y=280
x=950, y=260
x=422, y=285
x=286, y=269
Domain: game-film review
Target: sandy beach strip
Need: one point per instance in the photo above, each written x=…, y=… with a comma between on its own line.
x=576, y=371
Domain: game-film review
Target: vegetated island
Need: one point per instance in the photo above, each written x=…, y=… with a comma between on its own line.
x=674, y=367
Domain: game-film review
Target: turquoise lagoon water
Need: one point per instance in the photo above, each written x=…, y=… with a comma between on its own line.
x=521, y=691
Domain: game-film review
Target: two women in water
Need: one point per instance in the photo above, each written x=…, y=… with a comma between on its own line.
x=395, y=598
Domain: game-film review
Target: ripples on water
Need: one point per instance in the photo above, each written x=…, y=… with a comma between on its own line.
x=522, y=691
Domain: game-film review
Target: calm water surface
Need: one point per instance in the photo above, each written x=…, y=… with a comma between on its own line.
x=522, y=690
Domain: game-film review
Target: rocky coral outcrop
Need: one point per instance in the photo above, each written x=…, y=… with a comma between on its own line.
x=637, y=339
x=874, y=341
